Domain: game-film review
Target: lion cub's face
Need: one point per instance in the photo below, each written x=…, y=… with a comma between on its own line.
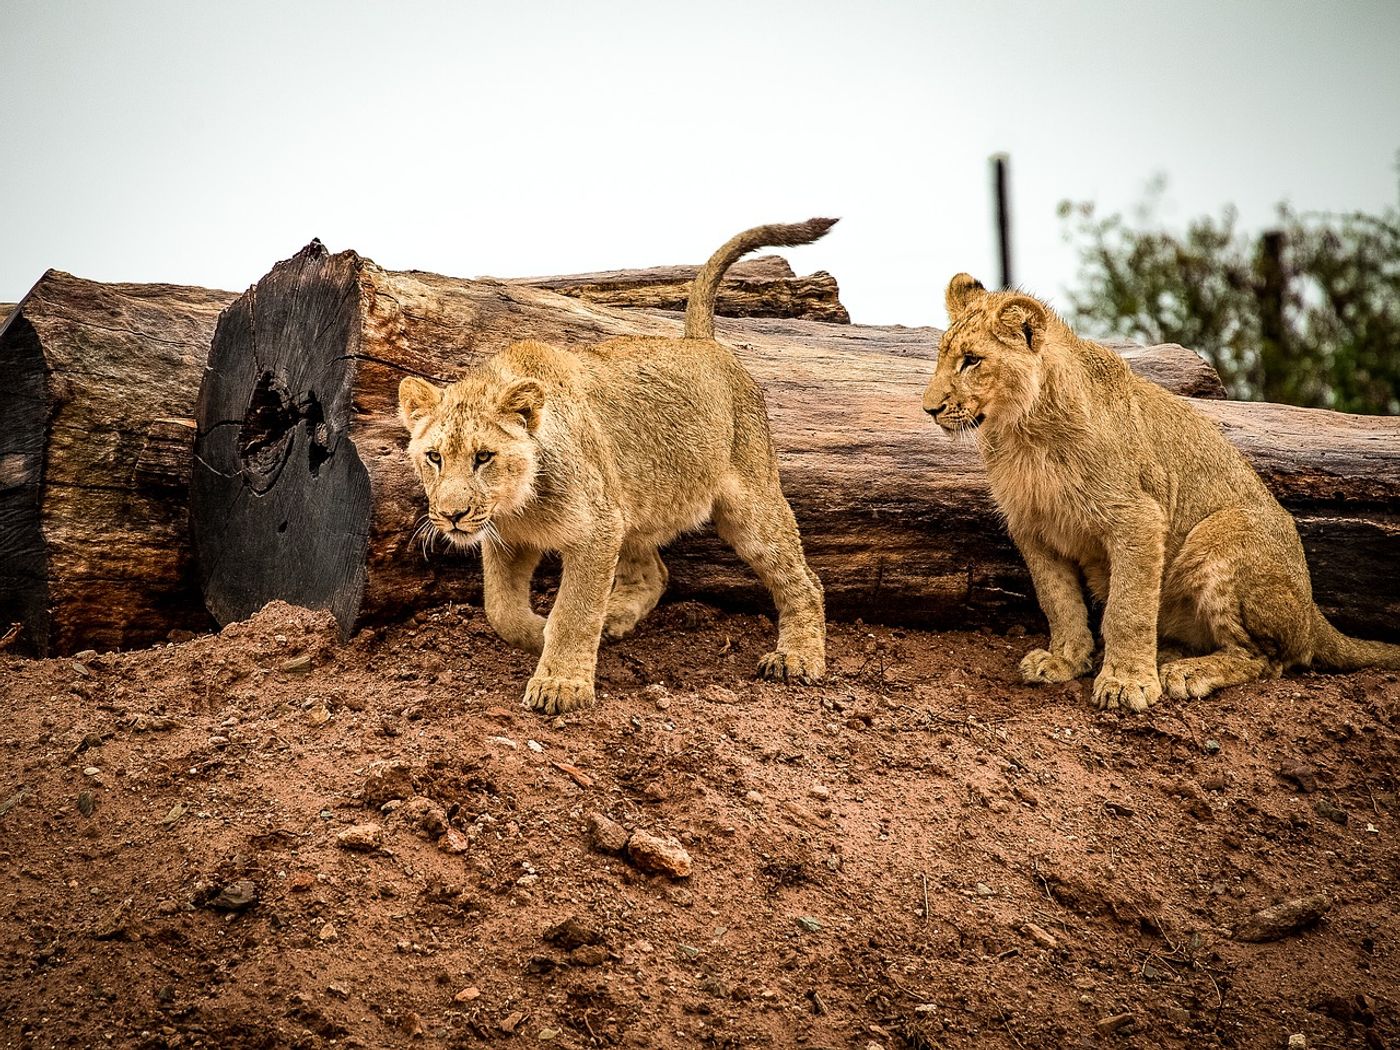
x=989, y=363
x=473, y=446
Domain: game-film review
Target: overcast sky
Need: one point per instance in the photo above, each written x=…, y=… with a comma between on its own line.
x=199, y=143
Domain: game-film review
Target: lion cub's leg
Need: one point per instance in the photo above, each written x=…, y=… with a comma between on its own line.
x=1061, y=596
x=506, y=581
x=758, y=524
x=563, y=680
x=640, y=582
x=1234, y=577
x=1136, y=550
x=1199, y=676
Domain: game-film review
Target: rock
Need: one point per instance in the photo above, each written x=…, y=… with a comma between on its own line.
x=1042, y=937
x=364, y=838
x=1272, y=924
x=453, y=841
x=983, y=890
x=412, y=1025
x=512, y=1021
x=661, y=854
x=91, y=771
x=318, y=714
x=297, y=664
x=467, y=994
x=385, y=781
x=809, y=924
x=301, y=882
x=236, y=896
x=176, y=812
x=999, y=805
x=819, y=791
x=1297, y=1041
x=1109, y=1025
x=1212, y=746
x=572, y=933
x=328, y=933
x=87, y=803
x=1329, y=810
x=754, y=797
x=535, y=746
x=607, y=836
x=425, y=815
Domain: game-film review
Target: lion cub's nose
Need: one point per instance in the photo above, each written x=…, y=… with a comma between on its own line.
x=454, y=516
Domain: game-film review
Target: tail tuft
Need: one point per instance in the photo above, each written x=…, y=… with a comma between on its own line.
x=700, y=310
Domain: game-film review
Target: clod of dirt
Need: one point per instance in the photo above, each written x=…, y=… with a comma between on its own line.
x=424, y=816
x=573, y=933
x=662, y=855
x=362, y=837
x=1301, y=774
x=236, y=896
x=412, y=1026
x=1272, y=924
x=589, y=955
x=607, y=836
x=385, y=781
x=1329, y=810
x=1041, y=936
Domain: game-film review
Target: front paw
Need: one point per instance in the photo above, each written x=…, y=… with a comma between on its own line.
x=554, y=696
x=1118, y=688
x=1041, y=667
x=796, y=665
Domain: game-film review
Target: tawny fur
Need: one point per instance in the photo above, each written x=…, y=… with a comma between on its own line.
x=603, y=455
x=1109, y=480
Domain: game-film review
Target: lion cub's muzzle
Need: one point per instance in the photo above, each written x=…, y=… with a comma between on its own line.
x=954, y=418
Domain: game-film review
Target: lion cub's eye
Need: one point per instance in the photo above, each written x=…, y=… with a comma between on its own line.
x=482, y=458
x=969, y=361
x=433, y=456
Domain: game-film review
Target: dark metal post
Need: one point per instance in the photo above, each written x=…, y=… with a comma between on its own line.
x=1002, y=192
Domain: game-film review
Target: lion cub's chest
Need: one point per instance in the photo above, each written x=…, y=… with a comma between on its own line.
x=1047, y=498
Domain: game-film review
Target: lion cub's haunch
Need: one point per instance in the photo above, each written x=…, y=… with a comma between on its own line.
x=604, y=455
x=1104, y=476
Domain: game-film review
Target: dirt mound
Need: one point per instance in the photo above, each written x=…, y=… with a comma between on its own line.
x=267, y=838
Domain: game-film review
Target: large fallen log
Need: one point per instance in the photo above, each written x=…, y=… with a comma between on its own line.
x=762, y=287
x=301, y=490
x=97, y=386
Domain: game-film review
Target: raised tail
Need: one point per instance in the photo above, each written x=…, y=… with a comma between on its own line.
x=1337, y=652
x=700, y=310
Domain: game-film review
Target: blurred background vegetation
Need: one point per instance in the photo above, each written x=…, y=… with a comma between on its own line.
x=1306, y=313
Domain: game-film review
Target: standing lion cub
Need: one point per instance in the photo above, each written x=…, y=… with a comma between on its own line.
x=1104, y=476
x=603, y=455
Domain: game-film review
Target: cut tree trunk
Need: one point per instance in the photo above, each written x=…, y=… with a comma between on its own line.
x=762, y=287
x=97, y=388
x=301, y=489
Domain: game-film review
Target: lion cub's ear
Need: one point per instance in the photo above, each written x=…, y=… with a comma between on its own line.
x=417, y=399
x=1024, y=318
x=963, y=292
x=524, y=398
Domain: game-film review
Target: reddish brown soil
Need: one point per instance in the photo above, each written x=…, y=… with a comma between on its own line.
x=819, y=820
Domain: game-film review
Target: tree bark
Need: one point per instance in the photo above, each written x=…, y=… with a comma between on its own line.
x=97, y=387
x=301, y=489
x=761, y=287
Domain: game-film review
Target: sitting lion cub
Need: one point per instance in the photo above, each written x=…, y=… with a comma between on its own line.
x=1104, y=475
x=603, y=455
